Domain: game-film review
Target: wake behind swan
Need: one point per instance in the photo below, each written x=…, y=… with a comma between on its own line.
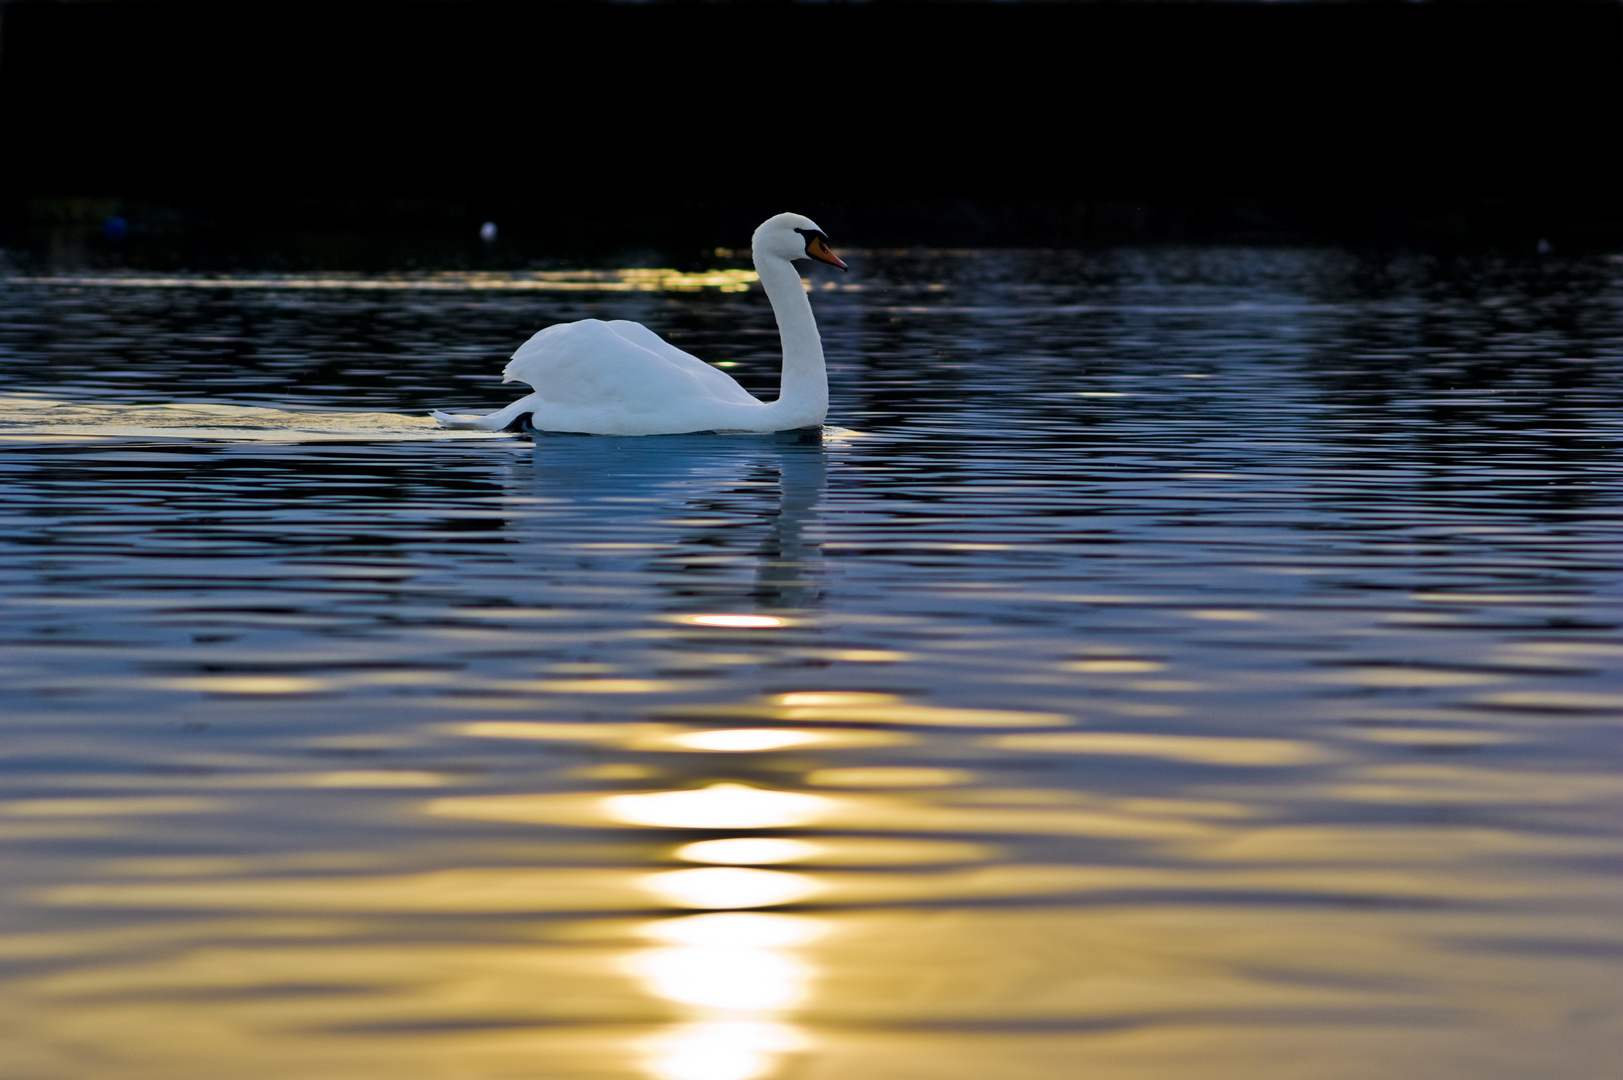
x=28, y=416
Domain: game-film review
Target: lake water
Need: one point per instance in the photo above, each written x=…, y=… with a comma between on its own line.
x=1170, y=664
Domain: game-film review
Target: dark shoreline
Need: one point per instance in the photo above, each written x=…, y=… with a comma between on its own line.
x=341, y=235
x=362, y=130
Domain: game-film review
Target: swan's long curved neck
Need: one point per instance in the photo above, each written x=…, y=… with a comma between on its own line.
x=804, y=389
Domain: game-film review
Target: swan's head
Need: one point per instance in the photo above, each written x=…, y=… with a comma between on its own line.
x=791, y=236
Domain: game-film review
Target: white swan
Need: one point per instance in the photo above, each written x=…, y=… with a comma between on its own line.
x=621, y=378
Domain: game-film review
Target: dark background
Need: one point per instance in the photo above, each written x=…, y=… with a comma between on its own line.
x=582, y=126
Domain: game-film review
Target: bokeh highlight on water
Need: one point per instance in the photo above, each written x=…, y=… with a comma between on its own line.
x=1171, y=663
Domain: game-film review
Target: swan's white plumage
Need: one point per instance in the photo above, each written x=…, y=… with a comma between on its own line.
x=621, y=378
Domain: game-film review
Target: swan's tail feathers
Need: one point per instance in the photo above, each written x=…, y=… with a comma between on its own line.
x=500, y=420
x=477, y=423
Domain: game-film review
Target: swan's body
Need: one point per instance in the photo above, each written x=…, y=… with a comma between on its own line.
x=621, y=378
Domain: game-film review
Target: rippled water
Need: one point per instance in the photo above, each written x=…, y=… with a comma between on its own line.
x=1174, y=664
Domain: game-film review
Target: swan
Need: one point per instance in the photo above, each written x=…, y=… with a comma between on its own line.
x=621, y=378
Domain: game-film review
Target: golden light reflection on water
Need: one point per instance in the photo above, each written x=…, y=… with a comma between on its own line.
x=244, y=684
x=720, y=887
x=636, y=279
x=755, y=740
x=740, y=994
x=736, y=621
x=736, y=978
x=721, y=1050
x=865, y=707
x=869, y=656
x=742, y=930
x=822, y=697
x=1111, y=666
x=740, y=806
x=889, y=776
x=670, y=737
x=748, y=850
x=724, y=976
x=719, y=806
x=738, y=740
x=886, y=851
x=1227, y=615
x=1194, y=748
x=738, y=983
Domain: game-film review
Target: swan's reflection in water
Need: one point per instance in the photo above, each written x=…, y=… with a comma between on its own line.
x=703, y=507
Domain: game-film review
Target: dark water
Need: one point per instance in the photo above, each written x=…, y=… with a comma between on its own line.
x=1195, y=663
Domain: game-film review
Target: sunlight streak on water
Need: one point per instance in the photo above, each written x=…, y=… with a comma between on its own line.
x=729, y=887
x=743, y=740
x=735, y=974
x=747, y=850
x=721, y=1049
x=741, y=621
x=719, y=806
x=632, y=280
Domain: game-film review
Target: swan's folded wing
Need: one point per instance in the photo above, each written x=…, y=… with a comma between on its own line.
x=638, y=334
x=622, y=365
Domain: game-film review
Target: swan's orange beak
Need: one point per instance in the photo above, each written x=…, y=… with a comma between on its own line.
x=817, y=248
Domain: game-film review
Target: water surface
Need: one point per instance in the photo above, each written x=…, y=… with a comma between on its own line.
x=1183, y=663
